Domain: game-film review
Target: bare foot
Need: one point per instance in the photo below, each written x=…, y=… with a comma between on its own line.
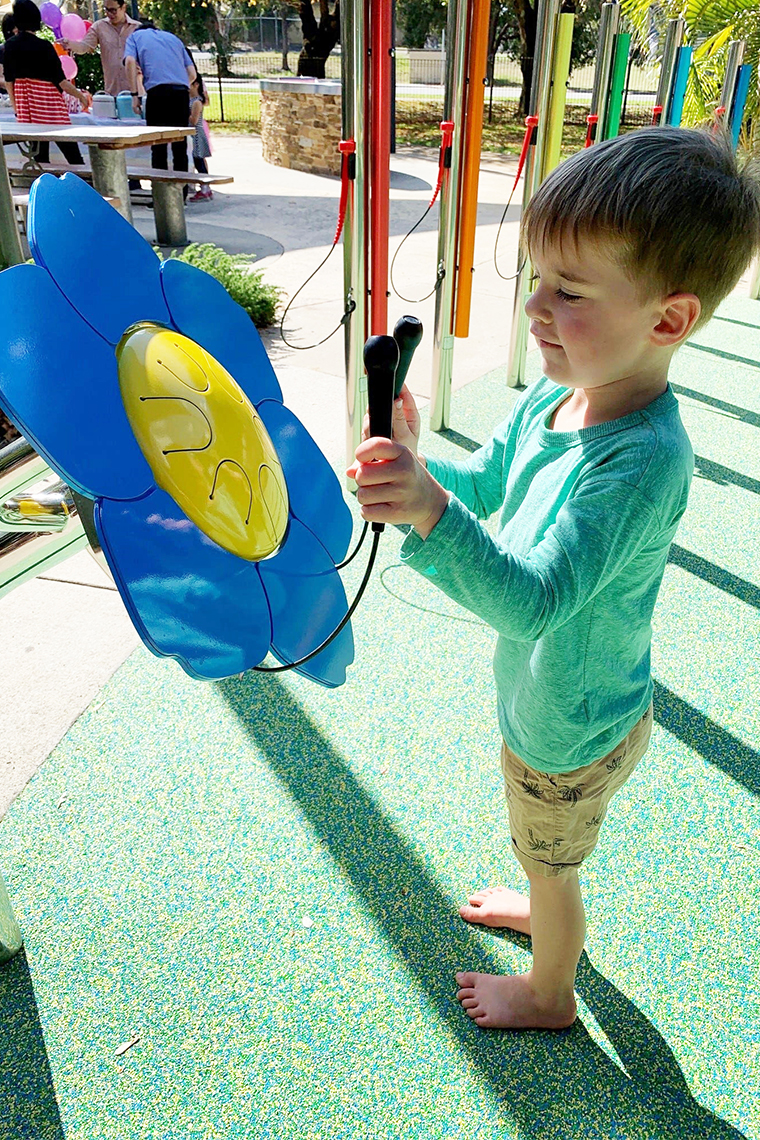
x=510, y=1002
x=498, y=907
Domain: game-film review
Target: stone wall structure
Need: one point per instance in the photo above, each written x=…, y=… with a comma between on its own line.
x=301, y=124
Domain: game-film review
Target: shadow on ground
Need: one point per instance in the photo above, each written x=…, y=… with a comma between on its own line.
x=551, y=1084
x=28, y=1106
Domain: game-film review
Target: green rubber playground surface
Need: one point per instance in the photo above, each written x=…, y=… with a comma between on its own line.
x=256, y=882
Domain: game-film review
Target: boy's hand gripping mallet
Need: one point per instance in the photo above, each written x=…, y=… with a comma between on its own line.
x=380, y=361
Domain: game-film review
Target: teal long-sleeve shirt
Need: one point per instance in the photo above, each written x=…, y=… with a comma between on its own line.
x=570, y=578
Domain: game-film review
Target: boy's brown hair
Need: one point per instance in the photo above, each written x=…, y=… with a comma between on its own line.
x=684, y=216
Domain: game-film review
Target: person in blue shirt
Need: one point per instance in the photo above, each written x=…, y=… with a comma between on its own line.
x=167, y=72
x=634, y=243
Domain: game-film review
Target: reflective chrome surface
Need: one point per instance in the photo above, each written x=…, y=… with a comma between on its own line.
x=540, y=90
x=453, y=111
x=46, y=506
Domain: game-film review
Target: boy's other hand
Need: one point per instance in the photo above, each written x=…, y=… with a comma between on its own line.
x=394, y=487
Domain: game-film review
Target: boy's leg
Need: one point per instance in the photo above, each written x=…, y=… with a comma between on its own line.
x=543, y=998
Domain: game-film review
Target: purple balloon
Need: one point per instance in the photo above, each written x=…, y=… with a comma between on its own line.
x=51, y=15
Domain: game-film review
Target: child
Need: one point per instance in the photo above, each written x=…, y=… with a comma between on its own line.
x=201, y=144
x=634, y=243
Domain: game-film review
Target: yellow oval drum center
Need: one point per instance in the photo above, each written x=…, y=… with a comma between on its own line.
x=204, y=441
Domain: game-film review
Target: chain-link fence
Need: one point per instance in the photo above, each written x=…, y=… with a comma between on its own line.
x=266, y=46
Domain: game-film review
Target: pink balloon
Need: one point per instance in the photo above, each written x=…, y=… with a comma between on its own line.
x=69, y=66
x=72, y=27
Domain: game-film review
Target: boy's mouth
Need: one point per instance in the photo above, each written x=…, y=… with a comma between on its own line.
x=544, y=343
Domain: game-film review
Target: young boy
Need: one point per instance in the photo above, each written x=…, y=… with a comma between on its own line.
x=634, y=243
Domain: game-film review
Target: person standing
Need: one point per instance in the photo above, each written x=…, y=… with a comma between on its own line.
x=35, y=80
x=9, y=30
x=110, y=35
x=167, y=71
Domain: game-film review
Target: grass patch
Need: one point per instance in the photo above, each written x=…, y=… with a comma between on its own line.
x=239, y=106
x=420, y=125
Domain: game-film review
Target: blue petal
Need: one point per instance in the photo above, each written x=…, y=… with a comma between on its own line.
x=202, y=309
x=188, y=598
x=307, y=602
x=106, y=269
x=315, y=494
x=59, y=384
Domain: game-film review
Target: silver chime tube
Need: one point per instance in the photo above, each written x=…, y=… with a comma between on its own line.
x=734, y=60
x=453, y=106
x=608, y=28
x=673, y=40
x=353, y=17
x=540, y=90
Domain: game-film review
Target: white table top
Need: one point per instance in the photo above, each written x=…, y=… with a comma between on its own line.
x=116, y=135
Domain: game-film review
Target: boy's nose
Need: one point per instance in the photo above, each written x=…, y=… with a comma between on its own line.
x=536, y=309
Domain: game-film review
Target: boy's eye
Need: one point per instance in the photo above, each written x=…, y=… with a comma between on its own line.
x=566, y=296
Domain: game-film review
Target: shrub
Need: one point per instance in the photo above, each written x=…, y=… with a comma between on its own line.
x=234, y=272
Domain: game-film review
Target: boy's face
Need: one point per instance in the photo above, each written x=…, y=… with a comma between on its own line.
x=589, y=320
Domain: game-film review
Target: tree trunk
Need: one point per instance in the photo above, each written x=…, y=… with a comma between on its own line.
x=318, y=38
x=284, y=33
x=526, y=23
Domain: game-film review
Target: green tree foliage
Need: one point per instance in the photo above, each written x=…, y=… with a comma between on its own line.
x=235, y=272
x=417, y=19
x=196, y=22
x=710, y=27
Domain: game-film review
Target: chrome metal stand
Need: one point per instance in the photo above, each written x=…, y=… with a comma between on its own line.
x=540, y=90
x=443, y=331
x=11, y=940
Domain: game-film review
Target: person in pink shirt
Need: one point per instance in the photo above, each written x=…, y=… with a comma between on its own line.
x=110, y=35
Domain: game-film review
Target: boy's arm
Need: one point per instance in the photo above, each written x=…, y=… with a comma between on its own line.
x=523, y=597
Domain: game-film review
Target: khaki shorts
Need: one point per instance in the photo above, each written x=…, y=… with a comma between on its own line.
x=555, y=818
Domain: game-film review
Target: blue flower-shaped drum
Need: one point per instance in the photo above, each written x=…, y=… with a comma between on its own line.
x=148, y=390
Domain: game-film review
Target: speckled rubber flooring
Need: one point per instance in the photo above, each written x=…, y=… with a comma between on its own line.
x=259, y=879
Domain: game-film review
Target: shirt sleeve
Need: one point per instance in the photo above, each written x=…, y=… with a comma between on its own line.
x=523, y=597
x=480, y=481
x=91, y=38
x=130, y=48
x=186, y=57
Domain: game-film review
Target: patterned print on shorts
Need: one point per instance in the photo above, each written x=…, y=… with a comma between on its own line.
x=571, y=795
x=541, y=844
x=530, y=788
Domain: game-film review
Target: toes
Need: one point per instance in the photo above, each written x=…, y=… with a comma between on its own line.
x=466, y=978
x=469, y=913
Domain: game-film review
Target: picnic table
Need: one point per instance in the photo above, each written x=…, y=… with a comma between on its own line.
x=107, y=145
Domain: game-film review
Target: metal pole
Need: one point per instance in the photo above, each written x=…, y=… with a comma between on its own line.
x=10, y=239
x=10, y=933
x=354, y=99
x=540, y=89
x=673, y=40
x=219, y=81
x=734, y=61
x=380, y=95
x=453, y=105
x=608, y=26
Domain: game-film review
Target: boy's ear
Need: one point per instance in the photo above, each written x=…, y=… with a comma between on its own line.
x=679, y=313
